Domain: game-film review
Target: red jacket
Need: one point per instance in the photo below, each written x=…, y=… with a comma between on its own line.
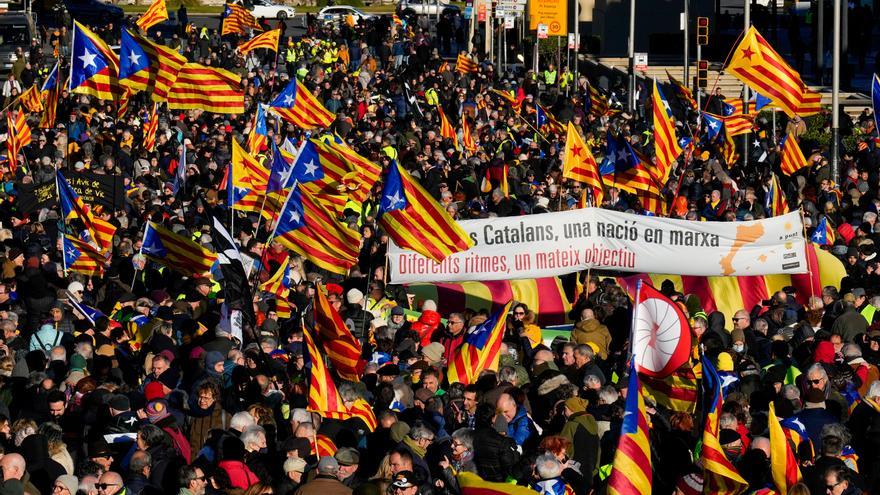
x=239, y=475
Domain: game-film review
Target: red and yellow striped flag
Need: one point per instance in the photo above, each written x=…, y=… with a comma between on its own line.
x=324, y=446
x=237, y=20
x=343, y=350
x=175, y=251
x=206, y=88
x=159, y=75
x=580, y=165
x=776, y=198
x=415, y=221
x=18, y=136
x=82, y=257
x=122, y=104
x=467, y=139
x=728, y=150
x=480, y=349
x=792, y=157
x=360, y=409
x=464, y=65
x=150, y=128
x=783, y=463
x=446, y=129
x=677, y=392
x=154, y=15
x=666, y=147
x=267, y=40
x=323, y=395
x=757, y=64
x=721, y=477
x=31, y=100
x=297, y=105
x=631, y=469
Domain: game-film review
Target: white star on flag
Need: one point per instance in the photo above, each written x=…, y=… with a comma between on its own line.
x=393, y=201
x=714, y=125
x=88, y=58
x=294, y=216
x=311, y=168
x=288, y=100
x=621, y=154
x=134, y=58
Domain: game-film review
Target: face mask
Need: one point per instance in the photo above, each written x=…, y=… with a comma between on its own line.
x=264, y=450
x=739, y=348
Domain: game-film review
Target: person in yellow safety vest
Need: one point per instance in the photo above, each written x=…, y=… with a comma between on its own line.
x=550, y=75
x=565, y=78
x=868, y=310
x=431, y=96
x=389, y=151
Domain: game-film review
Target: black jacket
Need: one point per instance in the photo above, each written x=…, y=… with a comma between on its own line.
x=494, y=454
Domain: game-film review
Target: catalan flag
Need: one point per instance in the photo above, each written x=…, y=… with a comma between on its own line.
x=467, y=138
x=82, y=257
x=148, y=66
x=359, y=409
x=49, y=93
x=175, y=251
x=18, y=136
x=122, y=104
x=728, y=150
x=342, y=169
x=154, y=15
x=472, y=484
x=514, y=101
x=415, y=221
x=597, y=104
x=629, y=169
x=579, y=165
x=464, y=65
x=258, y=138
x=237, y=20
x=94, y=67
x=297, y=105
x=783, y=463
x=792, y=157
x=280, y=282
x=824, y=233
x=150, y=128
x=267, y=40
x=631, y=469
x=206, y=88
x=676, y=392
x=666, y=147
x=31, y=100
x=547, y=122
x=480, y=349
x=341, y=347
x=308, y=228
x=323, y=395
x=247, y=180
x=95, y=230
x=324, y=446
x=756, y=63
x=775, y=202
x=446, y=129
x=720, y=475
x=684, y=92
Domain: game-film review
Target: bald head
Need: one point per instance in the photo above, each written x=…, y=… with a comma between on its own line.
x=507, y=406
x=587, y=314
x=13, y=466
x=762, y=444
x=113, y=481
x=543, y=356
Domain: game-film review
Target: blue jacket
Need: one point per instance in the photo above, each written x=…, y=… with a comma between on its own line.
x=521, y=428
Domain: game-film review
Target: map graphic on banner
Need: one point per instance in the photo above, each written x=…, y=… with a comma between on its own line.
x=553, y=244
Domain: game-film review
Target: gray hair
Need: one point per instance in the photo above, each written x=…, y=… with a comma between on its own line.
x=548, y=466
x=817, y=368
x=421, y=432
x=251, y=435
x=241, y=420
x=727, y=420
x=583, y=350
x=791, y=392
x=608, y=394
x=507, y=374
x=349, y=392
x=836, y=430
x=464, y=436
x=300, y=415
x=592, y=381
x=851, y=351
x=58, y=353
x=874, y=389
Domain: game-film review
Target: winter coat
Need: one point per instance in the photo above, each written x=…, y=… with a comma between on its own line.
x=322, y=485
x=593, y=331
x=583, y=433
x=494, y=454
x=239, y=474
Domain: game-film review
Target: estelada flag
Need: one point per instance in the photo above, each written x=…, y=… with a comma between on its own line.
x=465, y=65
x=793, y=158
x=154, y=15
x=268, y=40
x=580, y=165
x=206, y=88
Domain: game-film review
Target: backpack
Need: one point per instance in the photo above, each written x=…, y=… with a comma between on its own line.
x=181, y=444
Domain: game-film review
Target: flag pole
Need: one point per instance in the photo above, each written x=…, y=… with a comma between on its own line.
x=635, y=317
x=141, y=253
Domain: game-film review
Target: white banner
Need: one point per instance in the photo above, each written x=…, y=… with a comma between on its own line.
x=552, y=244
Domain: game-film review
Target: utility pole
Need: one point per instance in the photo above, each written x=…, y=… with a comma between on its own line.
x=747, y=21
x=472, y=24
x=631, y=101
x=684, y=27
x=835, y=97
x=577, y=38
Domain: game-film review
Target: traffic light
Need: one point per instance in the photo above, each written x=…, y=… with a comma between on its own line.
x=702, y=31
x=702, y=74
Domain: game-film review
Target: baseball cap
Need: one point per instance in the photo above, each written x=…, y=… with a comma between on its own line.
x=403, y=479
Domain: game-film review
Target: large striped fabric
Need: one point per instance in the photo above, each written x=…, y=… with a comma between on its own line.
x=676, y=392
x=49, y=93
x=323, y=395
x=342, y=348
x=793, y=158
x=82, y=257
x=279, y=283
x=729, y=294
x=515, y=102
x=480, y=349
x=783, y=463
x=464, y=65
x=666, y=146
x=545, y=296
x=18, y=136
x=579, y=164
x=728, y=150
x=95, y=230
x=297, y=105
x=175, y=251
x=308, y=228
x=631, y=469
x=598, y=103
x=467, y=138
x=94, y=67
x=148, y=66
x=123, y=103
x=345, y=167
x=324, y=446
x=472, y=484
x=206, y=88
x=736, y=120
x=683, y=91
x=720, y=476
x=237, y=20
x=258, y=138
x=267, y=40
x=31, y=100
x=446, y=129
x=546, y=122
x=150, y=128
x=756, y=63
x=156, y=13
x=415, y=221
x=360, y=409
x=776, y=202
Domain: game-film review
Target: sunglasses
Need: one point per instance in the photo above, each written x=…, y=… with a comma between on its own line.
x=518, y=312
x=104, y=486
x=816, y=381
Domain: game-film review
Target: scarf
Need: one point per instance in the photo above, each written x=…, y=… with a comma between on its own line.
x=416, y=448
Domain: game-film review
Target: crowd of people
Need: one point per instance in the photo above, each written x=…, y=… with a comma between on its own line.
x=159, y=397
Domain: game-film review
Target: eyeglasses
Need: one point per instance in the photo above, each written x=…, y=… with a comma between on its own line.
x=59, y=488
x=816, y=381
x=104, y=486
x=832, y=487
x=736, y=319
x=451, y=322
x=519, y=312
